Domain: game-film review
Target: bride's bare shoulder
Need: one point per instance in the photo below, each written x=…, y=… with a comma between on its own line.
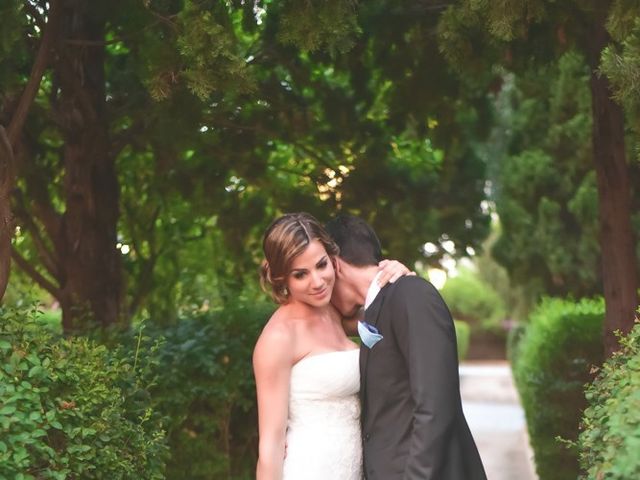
x=278, y=335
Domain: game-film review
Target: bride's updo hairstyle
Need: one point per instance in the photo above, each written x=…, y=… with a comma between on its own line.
x=286, y=238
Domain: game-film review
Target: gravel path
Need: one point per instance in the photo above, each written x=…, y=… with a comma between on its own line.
x=494, y=414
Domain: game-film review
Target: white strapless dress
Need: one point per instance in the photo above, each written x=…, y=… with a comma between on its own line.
x=323, y=433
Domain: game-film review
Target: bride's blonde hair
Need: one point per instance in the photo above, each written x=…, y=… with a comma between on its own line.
x=286, y=238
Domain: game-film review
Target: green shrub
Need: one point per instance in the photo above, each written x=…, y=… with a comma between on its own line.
x=206, y=390
x=476, y=302
x=69, y=408
x=51, y=319
x=609, y=443
x=463, y=334
x=514, y=339
x=561, y=343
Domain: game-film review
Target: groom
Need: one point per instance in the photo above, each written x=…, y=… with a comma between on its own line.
x=413, y=426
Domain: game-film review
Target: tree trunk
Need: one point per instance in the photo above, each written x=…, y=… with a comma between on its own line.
x=6, y=225
x=619, y=263
x=90, y=264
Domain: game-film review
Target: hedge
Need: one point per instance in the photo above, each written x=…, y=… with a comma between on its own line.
x=553, y=358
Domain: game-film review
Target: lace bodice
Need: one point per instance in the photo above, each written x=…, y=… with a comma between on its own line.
x=323, y=433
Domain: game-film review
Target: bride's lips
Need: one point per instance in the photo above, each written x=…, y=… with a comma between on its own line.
x=321, y=293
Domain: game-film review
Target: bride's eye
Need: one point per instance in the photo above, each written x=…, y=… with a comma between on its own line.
x=322, y=264
x=298, y=275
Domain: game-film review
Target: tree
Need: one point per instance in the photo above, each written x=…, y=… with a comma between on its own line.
x=167, y=127
x=526, y=33
x=543, y=182
x=412, y=129
x=75, y=246
x=85, y=116
x=9, y=139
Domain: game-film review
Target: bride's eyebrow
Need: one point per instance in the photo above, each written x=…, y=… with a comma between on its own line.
x=323, y=259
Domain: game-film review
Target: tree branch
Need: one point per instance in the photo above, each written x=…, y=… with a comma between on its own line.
x=314, y=155
x=42, y=208
x=44, y=252
x=7, y=166
x=121, y=38
x=6, y=223
x=37, y=71
x=148, y=264
x=167, y=20
x=34, y=274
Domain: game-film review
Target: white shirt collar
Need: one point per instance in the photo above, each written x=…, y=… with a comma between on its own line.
x=373, y=291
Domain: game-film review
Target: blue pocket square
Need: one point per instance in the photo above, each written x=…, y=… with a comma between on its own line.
x=368, y=334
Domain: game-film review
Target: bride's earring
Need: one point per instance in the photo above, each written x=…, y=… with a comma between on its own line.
x=285, y=291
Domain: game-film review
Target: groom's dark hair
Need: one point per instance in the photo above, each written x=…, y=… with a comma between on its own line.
x=359, y=244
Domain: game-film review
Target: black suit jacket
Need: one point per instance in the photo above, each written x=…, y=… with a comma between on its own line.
x=413, y=426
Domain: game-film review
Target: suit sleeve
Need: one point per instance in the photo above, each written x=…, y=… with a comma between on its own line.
x=426, y=337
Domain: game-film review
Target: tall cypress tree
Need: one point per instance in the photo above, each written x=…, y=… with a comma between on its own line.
x=518, y=34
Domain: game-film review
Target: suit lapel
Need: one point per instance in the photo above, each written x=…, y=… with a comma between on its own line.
x=371, y=315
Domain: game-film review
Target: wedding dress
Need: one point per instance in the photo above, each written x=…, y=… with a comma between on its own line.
x=323, y=431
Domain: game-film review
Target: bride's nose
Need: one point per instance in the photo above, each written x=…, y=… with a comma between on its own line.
x=316, y=280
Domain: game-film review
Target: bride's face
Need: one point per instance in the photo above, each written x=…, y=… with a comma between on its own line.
x=312, y=276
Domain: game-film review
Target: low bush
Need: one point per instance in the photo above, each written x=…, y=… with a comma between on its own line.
x=206, y=390
x=463, y=335
x=70, y=408
x=554, y=356
x=609, y=442
x=476, y=302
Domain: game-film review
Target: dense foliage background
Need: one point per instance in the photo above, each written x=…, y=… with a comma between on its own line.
x=145, y=146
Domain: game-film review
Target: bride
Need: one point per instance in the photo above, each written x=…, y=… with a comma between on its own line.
x=306, y=368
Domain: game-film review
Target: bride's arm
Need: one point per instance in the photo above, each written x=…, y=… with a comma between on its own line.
x=390, y=271
x=272, y=361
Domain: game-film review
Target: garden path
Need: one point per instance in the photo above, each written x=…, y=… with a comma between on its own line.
x=496, y=419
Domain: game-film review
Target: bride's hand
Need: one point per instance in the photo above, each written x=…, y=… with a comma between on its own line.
x=391, y=270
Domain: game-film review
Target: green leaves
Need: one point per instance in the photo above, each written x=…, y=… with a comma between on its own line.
x=70, y=408
x=7, y=410
x=202, y=53
x=211, y=54
x=610, y=433
x=621, y=63
x=545, y=189
x=204, y=384
x=329, y=24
